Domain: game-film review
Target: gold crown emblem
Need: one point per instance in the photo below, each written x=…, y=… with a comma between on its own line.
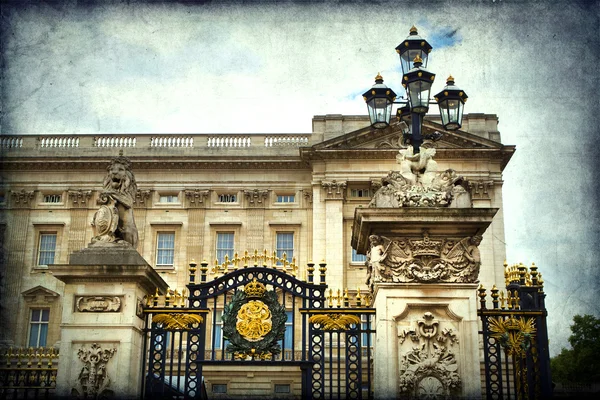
x=426, y=247
x=255, y=289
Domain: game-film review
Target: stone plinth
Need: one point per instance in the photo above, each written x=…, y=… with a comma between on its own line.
x=426, y=342
x=412, y=221
x=102, y=320
x=423, y=266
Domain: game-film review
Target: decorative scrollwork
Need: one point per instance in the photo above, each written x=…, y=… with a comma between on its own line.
x=177, y=320
x=93, y=380
x=331, y=322
x=429, y=370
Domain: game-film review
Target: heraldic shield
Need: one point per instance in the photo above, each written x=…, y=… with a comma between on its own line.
x=254, y=323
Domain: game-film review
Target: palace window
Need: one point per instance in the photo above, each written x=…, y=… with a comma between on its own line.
x=52, y=198
x=47, y=248
x=227, y=198
x=285, y=244
x=225, y=245
x=165, y=248
x=286, y=198
x=360, y=193
x=358, y=258
x=367, y=337
x=281, y=388
x=220, y=343
x=168, y=199
x=288, y=344
x=38, y=327
x=219, y=388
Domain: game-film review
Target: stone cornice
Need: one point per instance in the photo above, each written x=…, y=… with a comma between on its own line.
x=60, y=163
x=504, y=154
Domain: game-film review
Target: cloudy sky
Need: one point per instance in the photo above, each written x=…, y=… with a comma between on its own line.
x=268, y=67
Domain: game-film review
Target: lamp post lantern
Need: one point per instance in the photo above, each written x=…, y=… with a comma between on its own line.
x=417, y=82
x=379, y=102
x=451, y=101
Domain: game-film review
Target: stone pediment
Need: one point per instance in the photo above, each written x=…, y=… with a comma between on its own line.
x=390, y=139
x=40, y=293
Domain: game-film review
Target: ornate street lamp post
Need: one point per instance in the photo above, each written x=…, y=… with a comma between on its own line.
x=417, y=82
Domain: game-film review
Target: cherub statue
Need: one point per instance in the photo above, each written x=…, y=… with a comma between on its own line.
x=114, y=221
x=385, y=259
x=411, y=165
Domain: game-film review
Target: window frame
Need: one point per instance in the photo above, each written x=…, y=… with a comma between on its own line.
x=171, y=198
x=285, y=198
x=361, y=261
x=234, y=196
x=52, y=196
x=39, y=323
x=279, y=251
x=38, y=255
x=230, y=251
x=158, y=250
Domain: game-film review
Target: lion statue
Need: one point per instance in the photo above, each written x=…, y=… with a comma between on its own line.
x=114, y=221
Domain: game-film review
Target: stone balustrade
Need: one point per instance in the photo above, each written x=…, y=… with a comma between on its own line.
x=165, y=141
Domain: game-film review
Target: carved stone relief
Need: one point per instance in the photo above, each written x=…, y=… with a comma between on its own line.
x=79, y=198
x=93, y=380
x=418, y=183
x=196, y=197
x=308, y=195
x=422, y=259
x=481, y=189
x=141, y=198
x=256, y=197
x=334, y=189
x=22, y=198
x=429, y=369
x=98, y=303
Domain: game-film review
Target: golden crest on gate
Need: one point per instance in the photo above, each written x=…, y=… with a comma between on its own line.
x=254, y=320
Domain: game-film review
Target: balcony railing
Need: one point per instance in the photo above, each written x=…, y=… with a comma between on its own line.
x=166, y=141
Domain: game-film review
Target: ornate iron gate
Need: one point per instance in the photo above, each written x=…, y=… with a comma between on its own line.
x=515, y=337
x=258, y=316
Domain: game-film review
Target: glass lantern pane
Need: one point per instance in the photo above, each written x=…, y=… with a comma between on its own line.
x=451, y=113
x=378, y=111
x=419, y=96
x=408, y=57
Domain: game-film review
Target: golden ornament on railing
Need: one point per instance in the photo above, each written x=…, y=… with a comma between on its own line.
x=255, y=289
x=177, y=320
x=515, y=335
x=331, y=322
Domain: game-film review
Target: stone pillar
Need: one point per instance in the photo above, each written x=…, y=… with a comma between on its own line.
x=101, y=332
x=334, y=228
x=423, y=270
x=426, y=342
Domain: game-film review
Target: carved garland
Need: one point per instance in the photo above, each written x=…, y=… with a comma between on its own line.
x=429, y=370
x=93, y=380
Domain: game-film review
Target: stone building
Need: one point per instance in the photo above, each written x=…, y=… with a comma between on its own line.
x=207, y=196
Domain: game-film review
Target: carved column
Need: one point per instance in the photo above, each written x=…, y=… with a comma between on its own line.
x=78, y=202
x=17, y=226
x=196, y=201
x=255, y=232
x=334, y=193
x=140, y=210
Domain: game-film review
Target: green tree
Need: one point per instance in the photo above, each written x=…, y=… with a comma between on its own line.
x=581, y=363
